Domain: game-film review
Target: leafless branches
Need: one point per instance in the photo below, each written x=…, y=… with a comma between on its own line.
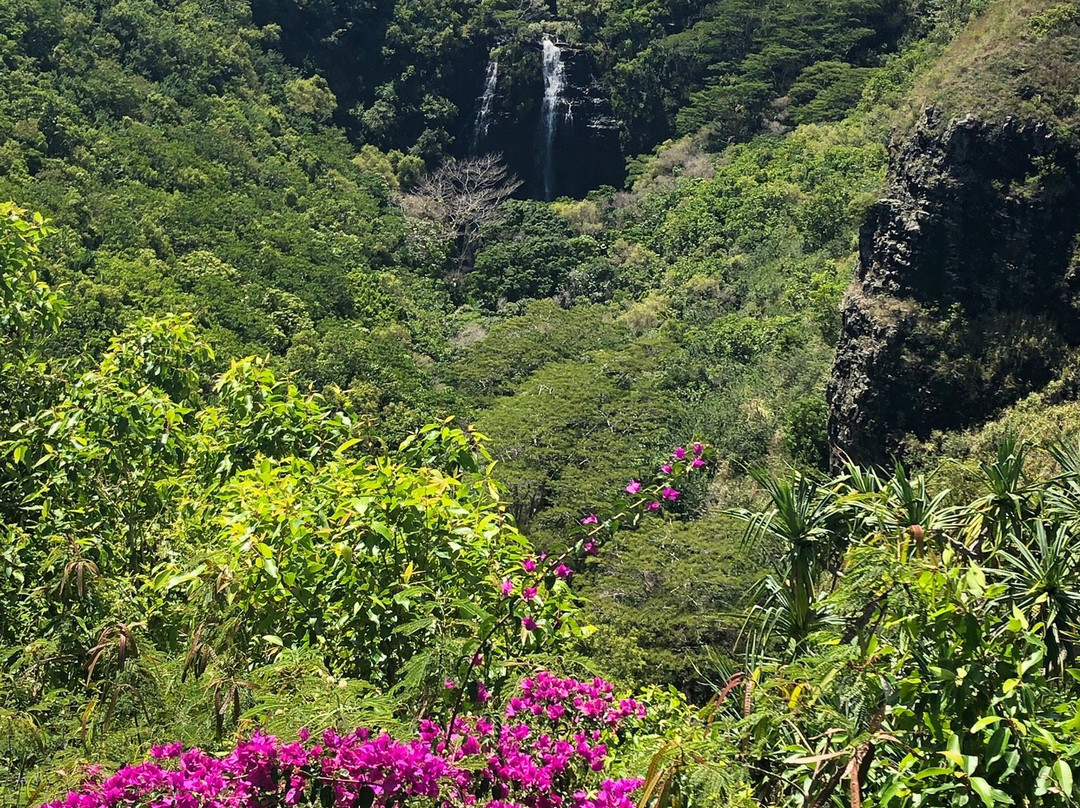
x=532, y=10
x=462, y=197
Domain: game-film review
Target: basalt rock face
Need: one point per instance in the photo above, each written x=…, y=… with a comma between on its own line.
x=967, y=292
x=586, y=151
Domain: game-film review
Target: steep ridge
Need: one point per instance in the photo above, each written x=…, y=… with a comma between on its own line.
x=967, y=290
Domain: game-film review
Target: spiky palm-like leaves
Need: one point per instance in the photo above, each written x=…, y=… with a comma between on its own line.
x=904, y=507
x=1008, y=501
x=1041, y=568
x=801, y=526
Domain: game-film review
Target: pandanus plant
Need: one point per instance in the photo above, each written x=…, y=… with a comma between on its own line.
x=1008, y=501
x=904, y=508
x=1041, y=568
x=802, y=525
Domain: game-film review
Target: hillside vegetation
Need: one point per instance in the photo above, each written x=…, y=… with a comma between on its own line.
x=1019, y=59
x=310, y=420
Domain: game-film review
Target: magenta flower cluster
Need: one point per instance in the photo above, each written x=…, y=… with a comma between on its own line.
x=547, y=695
x=549, y=752
x=681, y=459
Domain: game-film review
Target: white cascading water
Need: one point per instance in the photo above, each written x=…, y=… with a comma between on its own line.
x=487, y=100
x=554, y=78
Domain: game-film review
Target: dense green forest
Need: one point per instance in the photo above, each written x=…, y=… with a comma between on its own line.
x=328, y=402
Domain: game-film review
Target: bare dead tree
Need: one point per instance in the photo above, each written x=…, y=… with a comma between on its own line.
x=532, y=10
x=462, y=197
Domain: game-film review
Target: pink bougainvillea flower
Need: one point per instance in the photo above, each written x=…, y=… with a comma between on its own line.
x=591, y=548
x=698, y=463
x=528, y=624
x=590, y=520
x=169, y=750
x=698, y=449
x=529, y=593
x=666, y=468
x=563, y=571
x=528, y=766
x=653, y=506
x=680, y=453
x=449, y=684
x=507, y=588
x=671, y=494
x=529, y=565
x=634, y=487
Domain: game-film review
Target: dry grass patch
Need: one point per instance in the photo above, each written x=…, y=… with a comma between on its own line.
x=1021, y=58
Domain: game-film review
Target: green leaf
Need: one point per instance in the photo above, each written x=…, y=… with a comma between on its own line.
x=343, y=448
x=984, y=722
x=983, y=789
x=943, y=674
x=996, y=745
x=955, y=757
x=1042, y=782
x=415, y=626
x=1012, y=760
x=1031, y=662
x=988, y=793
x=184, y=577
x=891, y=793
x=1019, y=619
x=1063, y=773
x=970, y=764
x=381, y=529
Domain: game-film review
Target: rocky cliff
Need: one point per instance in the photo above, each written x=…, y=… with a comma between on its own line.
x=967, y=291
x=586, y=151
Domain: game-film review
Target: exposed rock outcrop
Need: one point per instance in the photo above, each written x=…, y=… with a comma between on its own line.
x=967, y=292
x=585, y=148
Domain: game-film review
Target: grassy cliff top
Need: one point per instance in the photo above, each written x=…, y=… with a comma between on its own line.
x=1019, y=58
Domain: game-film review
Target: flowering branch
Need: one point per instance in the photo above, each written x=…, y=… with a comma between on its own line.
x=649, y=500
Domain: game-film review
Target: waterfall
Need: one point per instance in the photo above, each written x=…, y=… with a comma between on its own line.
x=483, y=115
x=554, y=77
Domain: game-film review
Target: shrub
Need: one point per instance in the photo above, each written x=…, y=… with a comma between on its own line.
x=550, y=748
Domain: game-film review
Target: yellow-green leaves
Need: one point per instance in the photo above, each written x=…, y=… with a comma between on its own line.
x=369, y=560
x=1063, y=774
x=29, y=308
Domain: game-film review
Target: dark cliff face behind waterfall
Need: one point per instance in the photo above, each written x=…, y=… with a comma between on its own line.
x=967, y=292
x=587, y=150
x=575, y=150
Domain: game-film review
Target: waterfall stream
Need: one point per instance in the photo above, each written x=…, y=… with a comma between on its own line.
x=483, y=115
x=554, y=78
